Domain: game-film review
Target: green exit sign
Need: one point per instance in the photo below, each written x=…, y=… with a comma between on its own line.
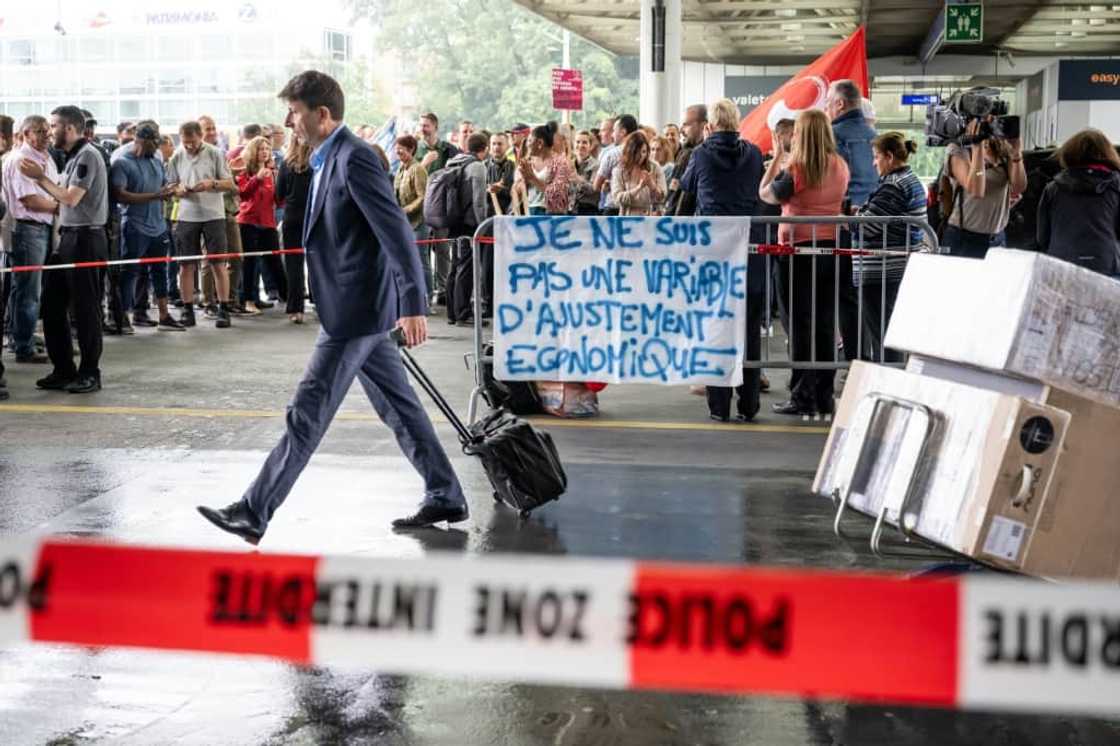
x=964, y=23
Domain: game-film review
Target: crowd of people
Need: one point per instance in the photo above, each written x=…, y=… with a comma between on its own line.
x=69, y=199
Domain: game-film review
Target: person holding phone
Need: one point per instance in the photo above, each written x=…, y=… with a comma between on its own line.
x=637, y=183
x=256, y=217
x=137, y=182
x=546, y=174
x=201, y=176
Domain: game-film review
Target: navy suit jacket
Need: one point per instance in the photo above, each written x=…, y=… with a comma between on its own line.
x=364, y=268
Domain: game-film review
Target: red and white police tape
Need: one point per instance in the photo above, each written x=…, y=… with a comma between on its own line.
x=967, y=642
x=101, y=264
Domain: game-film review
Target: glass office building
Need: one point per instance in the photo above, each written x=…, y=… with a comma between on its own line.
x=165, y=60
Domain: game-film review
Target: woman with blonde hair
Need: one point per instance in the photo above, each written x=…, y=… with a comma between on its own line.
x=256, y=219
x=637, y=183
x=293, y=184
x=813, y=183
x=672, y=134
x=661, y=153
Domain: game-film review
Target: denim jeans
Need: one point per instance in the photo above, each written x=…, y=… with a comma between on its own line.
x=30, y=245
x=136, y=245
x=966, y=243
x=259, y=238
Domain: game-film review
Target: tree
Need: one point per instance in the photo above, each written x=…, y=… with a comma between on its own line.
x=367, y=97
x=491, y=61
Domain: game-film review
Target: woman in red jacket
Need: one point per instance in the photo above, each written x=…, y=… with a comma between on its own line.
x=256, y=218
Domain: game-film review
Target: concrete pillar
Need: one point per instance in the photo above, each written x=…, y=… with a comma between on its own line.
x=660, y=92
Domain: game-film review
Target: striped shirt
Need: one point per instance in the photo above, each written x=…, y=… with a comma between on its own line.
x=900, y=193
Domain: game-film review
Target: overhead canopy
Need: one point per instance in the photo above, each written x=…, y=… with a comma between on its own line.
x=773, y=32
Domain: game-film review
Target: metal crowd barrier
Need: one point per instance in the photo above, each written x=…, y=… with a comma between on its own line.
x=780, y=258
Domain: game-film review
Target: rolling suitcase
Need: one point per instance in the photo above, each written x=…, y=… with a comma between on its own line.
x=520, y=461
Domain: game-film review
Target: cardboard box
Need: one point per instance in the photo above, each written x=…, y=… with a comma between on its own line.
x=1019, y=312
x=1078, y=529
x=1026, y=483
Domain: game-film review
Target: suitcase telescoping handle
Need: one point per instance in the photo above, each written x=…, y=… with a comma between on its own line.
x=414, y=369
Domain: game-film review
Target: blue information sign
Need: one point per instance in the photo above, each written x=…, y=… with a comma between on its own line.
x=920, y=99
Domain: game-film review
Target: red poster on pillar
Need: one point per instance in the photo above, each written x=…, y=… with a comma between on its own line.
x=567, y=89
x=808, y=89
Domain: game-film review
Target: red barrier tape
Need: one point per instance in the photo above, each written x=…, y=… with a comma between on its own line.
x=965, y=641
x=784, y=249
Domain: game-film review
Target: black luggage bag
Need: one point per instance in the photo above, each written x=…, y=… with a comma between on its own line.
x=520, y=460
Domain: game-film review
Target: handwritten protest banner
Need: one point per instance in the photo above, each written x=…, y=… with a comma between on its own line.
x=620, y=299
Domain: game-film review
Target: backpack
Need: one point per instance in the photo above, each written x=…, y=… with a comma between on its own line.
x=519, y=397
x=444, y=206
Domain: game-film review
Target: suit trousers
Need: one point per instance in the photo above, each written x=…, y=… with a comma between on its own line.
x=77, y=292
x=376, y=363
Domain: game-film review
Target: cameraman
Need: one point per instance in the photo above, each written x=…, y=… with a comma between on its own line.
x=984, y=175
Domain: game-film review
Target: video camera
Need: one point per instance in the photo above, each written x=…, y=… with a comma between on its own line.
x=947, y=122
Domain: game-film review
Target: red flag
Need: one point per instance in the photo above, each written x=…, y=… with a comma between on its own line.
x=808, y=89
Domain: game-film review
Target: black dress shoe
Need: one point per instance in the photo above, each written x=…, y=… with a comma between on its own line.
x=236, y=519
x=54, y=382
x=142, y=319
x=429, y=514
x=84, y=385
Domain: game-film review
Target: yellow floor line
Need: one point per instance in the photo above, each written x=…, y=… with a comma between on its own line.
x=649, y=425
x=360, y=417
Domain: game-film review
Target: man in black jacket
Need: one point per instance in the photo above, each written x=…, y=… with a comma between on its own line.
x=723, y=174
x=681, y=202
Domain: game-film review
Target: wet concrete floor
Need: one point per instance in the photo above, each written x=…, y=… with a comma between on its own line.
x=186, y=419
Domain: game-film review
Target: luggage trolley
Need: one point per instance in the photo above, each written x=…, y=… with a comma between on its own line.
x=857, y=464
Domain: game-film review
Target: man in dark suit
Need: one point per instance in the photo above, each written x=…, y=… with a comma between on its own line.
x=366, y=278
